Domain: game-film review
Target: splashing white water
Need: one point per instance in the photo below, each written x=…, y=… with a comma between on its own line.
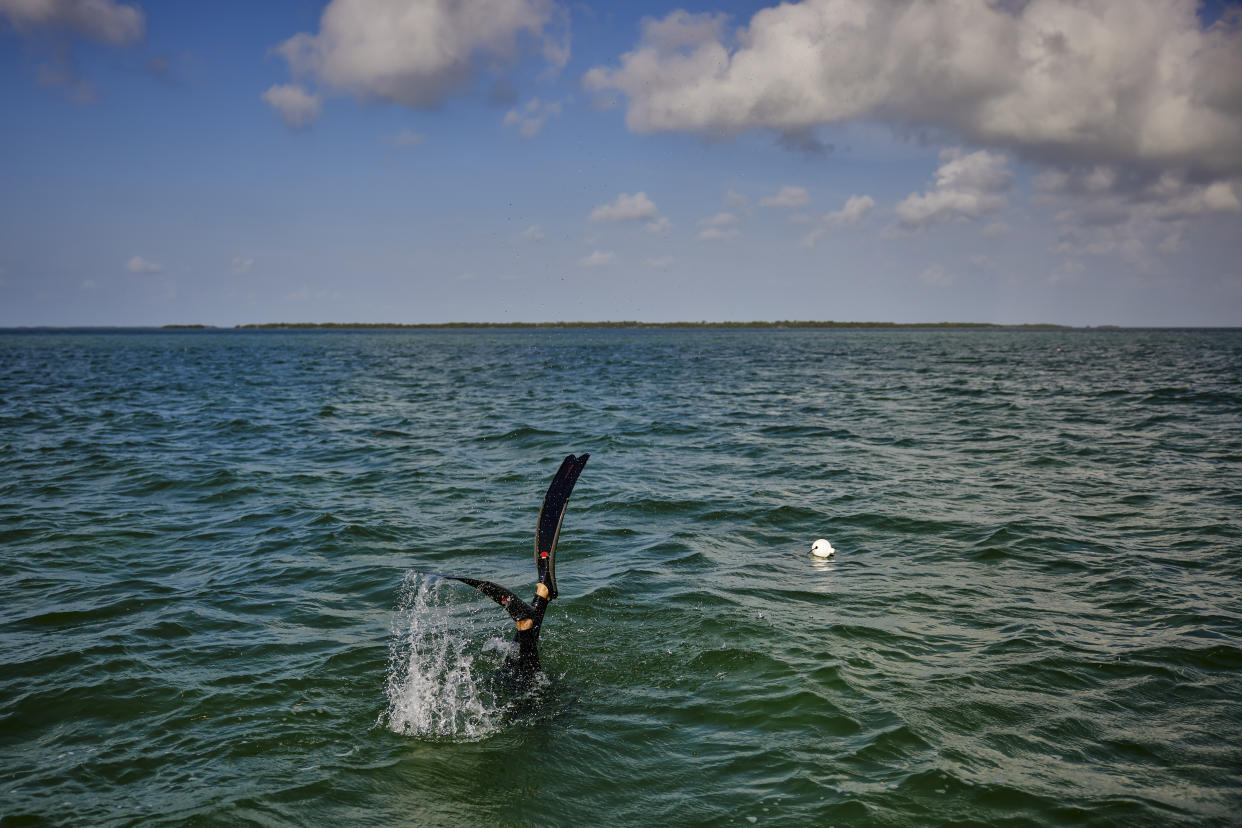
x=438, y=667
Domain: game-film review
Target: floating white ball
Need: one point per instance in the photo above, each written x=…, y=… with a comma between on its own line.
x=822, y=549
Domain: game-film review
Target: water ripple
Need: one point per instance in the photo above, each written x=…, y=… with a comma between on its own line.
x=209, y=614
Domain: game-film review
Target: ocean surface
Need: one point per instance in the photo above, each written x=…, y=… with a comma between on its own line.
x=211, y=612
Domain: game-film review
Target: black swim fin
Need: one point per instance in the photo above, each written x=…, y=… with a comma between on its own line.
x=548, y=531
x=528, y=618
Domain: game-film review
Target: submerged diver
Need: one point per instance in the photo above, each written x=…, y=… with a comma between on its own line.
x=529, y=617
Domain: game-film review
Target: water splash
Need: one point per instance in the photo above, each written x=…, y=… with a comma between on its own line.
x=439, y=668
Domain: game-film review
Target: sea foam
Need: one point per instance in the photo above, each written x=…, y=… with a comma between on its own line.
x=439, y=667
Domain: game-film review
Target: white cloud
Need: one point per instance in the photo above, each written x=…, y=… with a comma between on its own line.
x=242, y=266
x=718, y=227
x=659, y=227
x=87, y=284
x=967, y=187
x=407, y=138
x=717, y=233
x=1108, y=210
x=418, y=52
x=529, y=119
x=598, y=259
x=660, y=263
x=140, y=265
x=626, y=207
x=104, y=21
x=1136, y=81
x=719, y=220
x=297, y=107
x=51, y=25
x=1134, y=102
x=533, y=233
x=736, y=200
x=936, y=277
x=855, y=210
x=683, y=30
x=787, y=197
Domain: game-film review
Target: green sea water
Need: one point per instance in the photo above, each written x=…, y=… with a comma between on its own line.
x=210, y=611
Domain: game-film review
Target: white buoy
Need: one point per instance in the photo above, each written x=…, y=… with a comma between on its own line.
x=822, y=549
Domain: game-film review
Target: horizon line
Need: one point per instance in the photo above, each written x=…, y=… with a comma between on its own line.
x=627, y=323
x=784, y=323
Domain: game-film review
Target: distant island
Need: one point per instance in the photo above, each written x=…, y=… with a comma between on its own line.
x=628, y=324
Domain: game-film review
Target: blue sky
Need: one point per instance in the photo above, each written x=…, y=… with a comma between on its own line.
x=528, y=160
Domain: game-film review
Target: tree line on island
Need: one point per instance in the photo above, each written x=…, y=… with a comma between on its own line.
x=785, y=323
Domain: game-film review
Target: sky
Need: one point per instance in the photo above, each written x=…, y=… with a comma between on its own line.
x=1010, y=161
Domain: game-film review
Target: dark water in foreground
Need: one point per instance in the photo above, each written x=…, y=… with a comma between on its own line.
x=207, y=611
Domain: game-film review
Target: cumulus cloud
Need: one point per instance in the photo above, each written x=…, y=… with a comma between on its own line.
x=418, y=52
x=1108, y=195
x=626, y=207
x=787, y=197
x=599, y=258
x=296, y=107
x=659, y=263
x=1101, y=209
x=103, y=21
x=1087, y=81
x=533, y=233
x=406, y=139
x=968, y=186
x=660, y=227
x=719, y=220
x=242, y=266
x=681, y=29
x=855, y=210
x=140, y=265
x=718, y=227
x=529, y=119
x=717, y=233
x=736, y=200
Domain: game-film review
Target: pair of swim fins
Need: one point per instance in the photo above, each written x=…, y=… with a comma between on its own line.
x=528, y=617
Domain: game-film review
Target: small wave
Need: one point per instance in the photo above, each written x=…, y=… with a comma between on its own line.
x=808, y=431
x=1180, y=394
x=519, y=433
